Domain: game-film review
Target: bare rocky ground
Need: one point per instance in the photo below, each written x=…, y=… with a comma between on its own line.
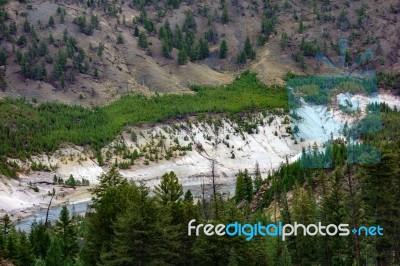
x=125, y=68
x=219, y=140
x=231, y=150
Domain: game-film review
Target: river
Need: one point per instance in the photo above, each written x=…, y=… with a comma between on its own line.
x=25, y=223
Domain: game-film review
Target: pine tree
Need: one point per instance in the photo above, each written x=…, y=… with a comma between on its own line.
x=39, y=238
x=165, y=48
x=25, y=255
x=54, y=255
x=170, y=190
x=203, y=48
x=248, y=186
x=248, y=48
x=177, y=38
x=96, y=73
x=3, y=82
x=142, y=42
x=233, y=260
x=6, y=224
x=112, y=197
x=136, y=31
x=12, y=246
x=182, y=56
x=50, y=38
x=40, y=262
x=336, y=248
x=188, y=196
x=110, y=179
x=51, y=22
x=141, y=235
x=241, y=58
x=223, y=49
x=190, y=22
x=240, y=187
x=304, y=212
x=3, y=56
x=225, y=15
x=257, y=177
x=120, y=39
x=26, y=26
x=67, y=234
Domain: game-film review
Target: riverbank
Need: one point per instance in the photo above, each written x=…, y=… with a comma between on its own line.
x=185, y=147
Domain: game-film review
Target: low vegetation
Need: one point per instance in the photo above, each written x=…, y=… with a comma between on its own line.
x=27, y=129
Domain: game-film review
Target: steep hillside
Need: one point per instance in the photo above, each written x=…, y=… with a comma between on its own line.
x=90, y=52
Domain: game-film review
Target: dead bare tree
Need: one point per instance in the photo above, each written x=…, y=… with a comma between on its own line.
x=215, y=186
x=46, y=223
x=203, y=199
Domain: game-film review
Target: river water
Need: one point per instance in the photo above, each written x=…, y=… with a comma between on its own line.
x=25, y=223
x=227, y=189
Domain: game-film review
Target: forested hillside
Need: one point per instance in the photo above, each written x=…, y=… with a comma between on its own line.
x=127, y=226
x=81, y=76
x=50, y=124
x=90, y=52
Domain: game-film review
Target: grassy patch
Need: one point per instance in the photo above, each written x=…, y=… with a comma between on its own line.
x=26, y=129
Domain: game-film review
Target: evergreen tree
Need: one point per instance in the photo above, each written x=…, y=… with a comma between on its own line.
x=6, y=223
x=26, y=26
x=240, y=188
x=257, y=178
x=25, y=255
x=241, y=58
x=141, y=235
x=336, y=248
x=3, y=83
x=96, y=73
x=380, y=191
x=108, y=180
x=51, y=22
x=3, y=56
x=165, y=48
x=170, y=190
x=100, y=50
x=182, y=56
x=223, y=49
x=177, y=37
x=120, y=39
x=40, y=262
x=40, y=239
x=142, y=42
x=203, y=49
x=188, y=196
x=12, y=247
x=233, y=258
x=304, y=212
x=54, y=255
x=225, y=15
x=248, y=186
x=111, y=199
x=247, y=46
x=50, y=38
x=136, y=31
x=189, y=23
x=66, y=232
